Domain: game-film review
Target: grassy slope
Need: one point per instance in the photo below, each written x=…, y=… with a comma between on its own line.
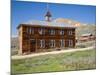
x=59, y=62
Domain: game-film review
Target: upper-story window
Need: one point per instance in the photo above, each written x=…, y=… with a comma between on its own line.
x=27, y=30
x=70, y=32
x=52, y=32
x=30, y=30
x=62, y=43
x=41, y=31
x=52, y=43
x=42, y=43
x=61, y=32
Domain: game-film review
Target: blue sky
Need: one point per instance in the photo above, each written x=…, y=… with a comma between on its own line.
x=24, y=11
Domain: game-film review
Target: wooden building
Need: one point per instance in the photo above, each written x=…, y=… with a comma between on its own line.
x=87, y=37
x=38, y=36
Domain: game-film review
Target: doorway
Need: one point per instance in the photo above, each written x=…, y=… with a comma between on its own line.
x=32, y=45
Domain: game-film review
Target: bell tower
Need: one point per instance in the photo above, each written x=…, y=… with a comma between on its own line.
x=48, y=14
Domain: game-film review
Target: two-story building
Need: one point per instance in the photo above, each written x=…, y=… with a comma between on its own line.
x=38, y=36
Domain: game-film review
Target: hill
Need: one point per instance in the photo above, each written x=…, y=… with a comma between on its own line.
x=82, y=28
x=67, y=21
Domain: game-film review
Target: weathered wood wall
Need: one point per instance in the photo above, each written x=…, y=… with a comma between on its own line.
x=26, y=36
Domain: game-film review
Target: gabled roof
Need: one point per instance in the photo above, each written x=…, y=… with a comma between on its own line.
x=46, y=23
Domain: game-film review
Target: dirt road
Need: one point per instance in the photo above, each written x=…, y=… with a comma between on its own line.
x=53, y=52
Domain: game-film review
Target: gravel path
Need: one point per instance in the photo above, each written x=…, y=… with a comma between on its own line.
x=53, y=52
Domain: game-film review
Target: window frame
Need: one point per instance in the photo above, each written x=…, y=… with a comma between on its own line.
x=70, y=32
x=62, y=32
x=42, y=43
x=52, y=43
x=52, y=32
x=41, y=31
x=70, y=42
x=62, y=42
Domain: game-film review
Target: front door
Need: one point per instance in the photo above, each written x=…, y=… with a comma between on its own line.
x=32, y=45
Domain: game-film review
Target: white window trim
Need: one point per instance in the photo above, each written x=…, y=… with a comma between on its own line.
x=27, y=30
x=61, y=32
x=52, y=43
x=70, y=32
x=70, y=43
x=41, y=31
x=62, y=43
x=52, y=32
x=42, y=43
x=32, y=30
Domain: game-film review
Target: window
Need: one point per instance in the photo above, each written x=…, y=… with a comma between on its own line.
x=70, y=43
x=41, y=31
x=62, y=43
x=52, y=32
x=62, y=32
x=27, y=30
x=52, y=43
x=42, y=43
x=70, y=32
x=32, y=30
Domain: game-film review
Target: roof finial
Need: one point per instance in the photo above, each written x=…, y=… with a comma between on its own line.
x=48, y=14
x=47, y=6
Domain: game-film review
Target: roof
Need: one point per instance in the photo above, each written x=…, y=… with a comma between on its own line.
x=46, y=23
x=88, y=34
x=48, y=14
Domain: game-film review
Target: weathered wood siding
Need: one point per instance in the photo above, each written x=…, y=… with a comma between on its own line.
x=31, y=39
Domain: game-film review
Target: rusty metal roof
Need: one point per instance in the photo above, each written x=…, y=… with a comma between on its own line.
x=46, y=23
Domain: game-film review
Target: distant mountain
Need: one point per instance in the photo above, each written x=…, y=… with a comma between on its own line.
x=84, y=29
x=81, y=28
x=67, y=21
